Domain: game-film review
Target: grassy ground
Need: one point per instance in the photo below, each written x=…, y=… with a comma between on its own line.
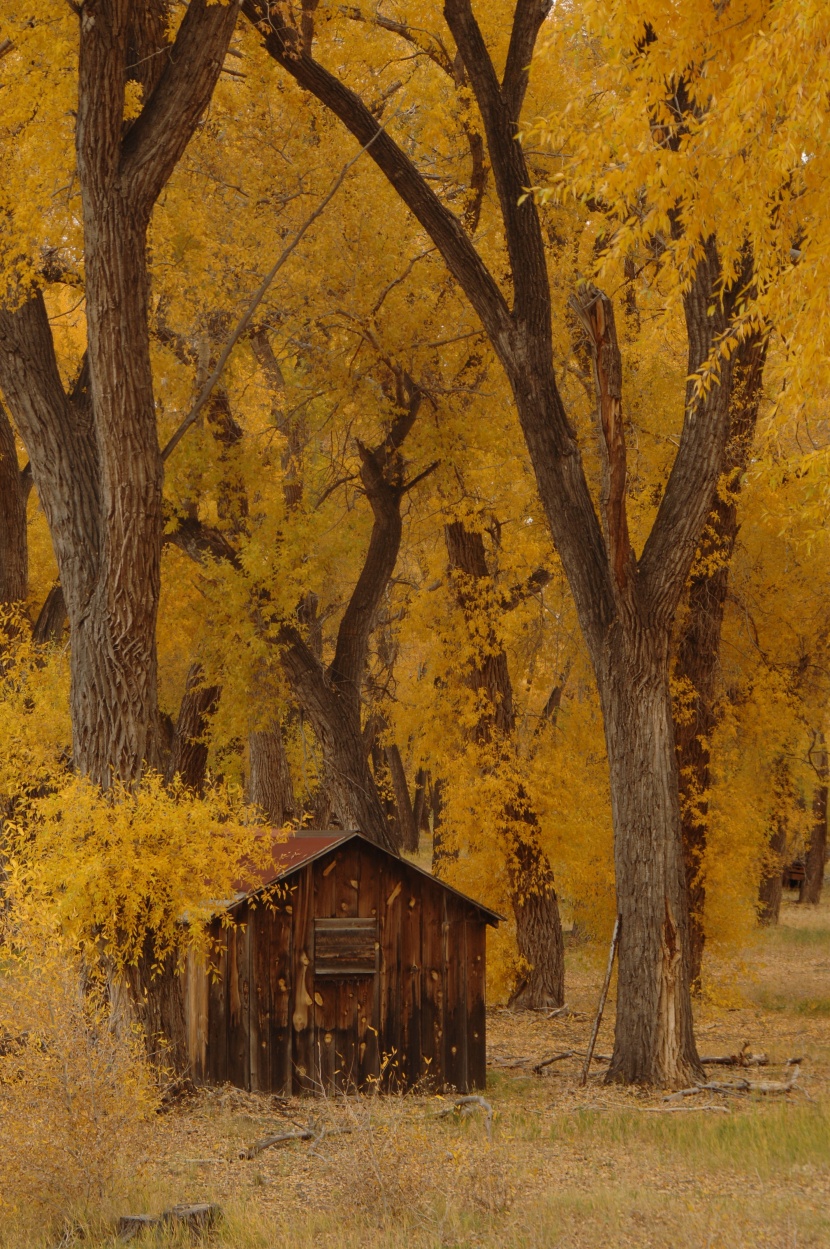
x=570, y=1167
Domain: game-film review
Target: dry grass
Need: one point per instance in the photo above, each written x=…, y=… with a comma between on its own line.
x=566, y=1167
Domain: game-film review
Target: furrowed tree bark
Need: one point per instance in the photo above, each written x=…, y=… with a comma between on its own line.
x=531, y=883
x=14, y=549
x=697, y=664
x=94, y=452
x=816, y=857
x=626, y=606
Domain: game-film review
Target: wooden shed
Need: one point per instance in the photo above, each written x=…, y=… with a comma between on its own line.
x=346, y=966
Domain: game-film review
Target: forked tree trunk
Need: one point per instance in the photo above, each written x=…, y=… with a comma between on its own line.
x=816, y=856
x=94, y=452
x=269, y=783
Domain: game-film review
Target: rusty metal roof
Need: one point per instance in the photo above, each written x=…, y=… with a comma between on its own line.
x=303, y=847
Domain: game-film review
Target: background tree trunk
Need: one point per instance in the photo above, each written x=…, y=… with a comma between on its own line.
x=530, y=876
x=189, y=748
x=816, y=857
x=698, y=652
x=771, y=888
x=269, y=783
x=14, y=550
x=408, y=829
x=51, y=619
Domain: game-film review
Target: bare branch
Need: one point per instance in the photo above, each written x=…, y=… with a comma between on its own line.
x=256, y=300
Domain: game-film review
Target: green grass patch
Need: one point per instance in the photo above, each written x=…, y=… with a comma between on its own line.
x=754, y=1138
x=783, y=934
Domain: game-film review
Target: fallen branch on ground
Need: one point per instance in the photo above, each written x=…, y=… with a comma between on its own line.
x=282, y=1138
x=737, y=1087
x=555, y=1058
x=466, y=1106
x=742, y=1059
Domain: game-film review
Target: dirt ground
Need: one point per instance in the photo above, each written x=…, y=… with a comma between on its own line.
x=559, y=1165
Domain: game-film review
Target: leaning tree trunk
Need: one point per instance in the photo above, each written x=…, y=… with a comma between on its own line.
x=816, y=856
x=407, y=827
x=698, y=653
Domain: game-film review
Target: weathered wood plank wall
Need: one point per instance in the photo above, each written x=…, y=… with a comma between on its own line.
x=267, y=1022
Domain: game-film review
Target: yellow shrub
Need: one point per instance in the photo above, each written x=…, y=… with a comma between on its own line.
x=76, y=1096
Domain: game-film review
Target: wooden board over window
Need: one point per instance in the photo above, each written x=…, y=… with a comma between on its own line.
x=345, y=947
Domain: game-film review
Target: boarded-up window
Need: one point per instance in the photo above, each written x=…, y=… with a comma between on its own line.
x=345, y=947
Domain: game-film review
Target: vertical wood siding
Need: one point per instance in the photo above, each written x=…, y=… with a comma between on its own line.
x=266, y=1022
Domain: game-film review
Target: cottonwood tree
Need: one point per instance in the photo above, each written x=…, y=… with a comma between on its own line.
x=626, y=603
x=93, y=446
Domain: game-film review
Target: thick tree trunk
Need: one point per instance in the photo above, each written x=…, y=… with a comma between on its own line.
x=156, y=1003
x=94, y=453
x=14, y=551
x=654, y=1040
x=269, y=782
x=816, y=856
x=189, y=749
x=538, y=925
x=698, y=652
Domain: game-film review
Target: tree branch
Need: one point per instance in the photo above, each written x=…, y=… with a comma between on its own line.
x=443, y=227
x=160, y=134
x=256, y=300
x=596, y=314
x=527, y=21
x=670, y=548
x=525, y=245
x=57, y=432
